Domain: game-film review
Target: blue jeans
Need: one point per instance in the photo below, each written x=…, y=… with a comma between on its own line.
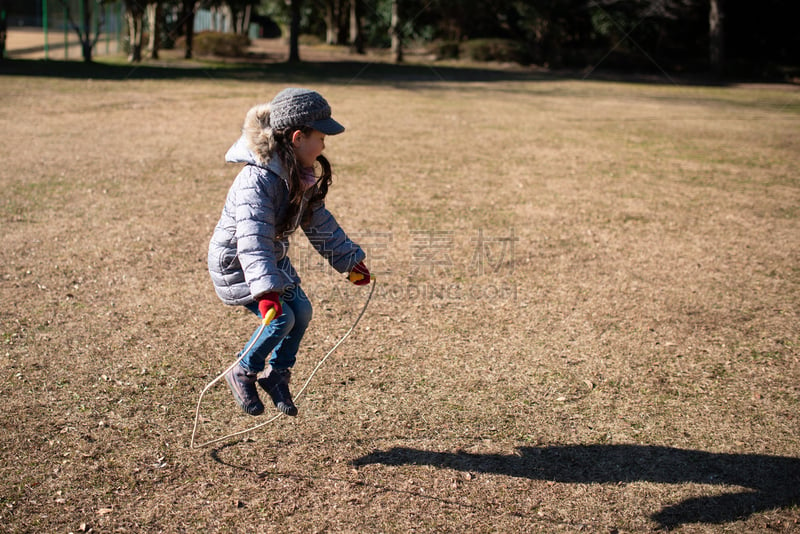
x=281, y=338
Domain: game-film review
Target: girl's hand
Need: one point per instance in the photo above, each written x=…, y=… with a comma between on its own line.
x=267, y=301
x=360, y=274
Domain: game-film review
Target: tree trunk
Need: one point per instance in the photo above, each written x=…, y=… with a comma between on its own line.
x=135, y=24
x=84, y=27
x=342, y=18
x=294, y=31
x=356, y=32
x=86, y=41
x=188, y=25
x=330, y=22
x=336, y=19
x=3, y=26
x=86, y=47
x=394, y=31
x=214, y=22
x=244, y=20
x=154, y=13
x=227, y=21
x=716, y=43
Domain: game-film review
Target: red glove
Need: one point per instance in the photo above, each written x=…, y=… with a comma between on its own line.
x=267, y=301
x=360, y=274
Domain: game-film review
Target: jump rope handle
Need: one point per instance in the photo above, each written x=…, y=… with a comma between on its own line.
x=270, y=316
x=356, y=277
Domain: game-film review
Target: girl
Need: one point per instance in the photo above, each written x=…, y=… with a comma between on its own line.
x=282, y=187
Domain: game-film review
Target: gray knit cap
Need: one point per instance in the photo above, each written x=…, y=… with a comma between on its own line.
x=293, y=108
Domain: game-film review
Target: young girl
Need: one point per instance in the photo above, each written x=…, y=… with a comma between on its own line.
x=281, y=187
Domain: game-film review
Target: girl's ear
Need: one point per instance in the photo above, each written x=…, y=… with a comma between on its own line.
x=296, y=135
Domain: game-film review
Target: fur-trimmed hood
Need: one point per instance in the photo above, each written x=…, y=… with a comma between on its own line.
x=241, y=152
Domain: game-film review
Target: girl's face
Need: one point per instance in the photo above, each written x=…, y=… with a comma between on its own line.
x=308, y=146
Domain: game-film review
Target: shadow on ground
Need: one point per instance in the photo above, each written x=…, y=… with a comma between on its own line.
x=341, y=72
x=331, y=71
x=771, y=481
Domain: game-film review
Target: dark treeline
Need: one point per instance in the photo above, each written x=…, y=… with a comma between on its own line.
x=721, y=36
x=698, y=35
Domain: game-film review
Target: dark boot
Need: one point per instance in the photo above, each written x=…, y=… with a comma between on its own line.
x=243, y=387
x=276, y=383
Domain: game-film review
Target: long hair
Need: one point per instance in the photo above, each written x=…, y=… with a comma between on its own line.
x=267, y=143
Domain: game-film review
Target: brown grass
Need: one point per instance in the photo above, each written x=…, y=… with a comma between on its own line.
x=586, y=316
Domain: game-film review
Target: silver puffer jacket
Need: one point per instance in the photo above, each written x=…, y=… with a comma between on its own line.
x=245, y=257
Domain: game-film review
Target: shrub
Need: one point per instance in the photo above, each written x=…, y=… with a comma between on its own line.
x=445, y=49
x=220, y=44
x=308, y=39
x=504, y=50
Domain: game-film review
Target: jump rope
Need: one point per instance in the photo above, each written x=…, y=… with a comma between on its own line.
x=353, y=277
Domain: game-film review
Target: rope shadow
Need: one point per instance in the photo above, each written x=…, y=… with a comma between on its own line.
x=215, y=455
x=773, y=481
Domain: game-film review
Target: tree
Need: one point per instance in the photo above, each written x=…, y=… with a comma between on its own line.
x=134, y=15
x=84, y=30
x=394, y=32
x=356, y=31
x=294, y=31
x=652, y=33
x=2, y=29
x=289, y=12
x=154, y=15
x=188, y=8
x=241, y=11
x=716, y=43
x=334, y=13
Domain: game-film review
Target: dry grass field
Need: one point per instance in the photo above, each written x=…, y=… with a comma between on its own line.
x=585, y=318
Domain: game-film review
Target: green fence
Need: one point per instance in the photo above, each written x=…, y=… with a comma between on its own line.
x=56, y=20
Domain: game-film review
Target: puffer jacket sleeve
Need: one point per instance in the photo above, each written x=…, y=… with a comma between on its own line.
x=255, y=233
x=328, y=238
